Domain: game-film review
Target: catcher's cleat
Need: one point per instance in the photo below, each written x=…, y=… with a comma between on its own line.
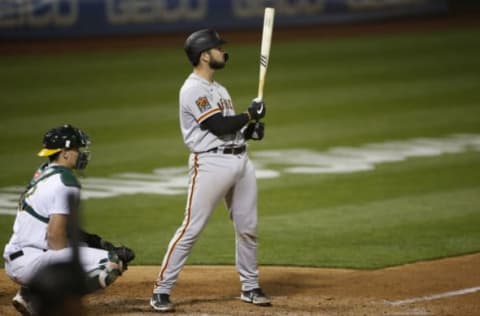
x=256, y=297
x=161, y=303
x=22, y=303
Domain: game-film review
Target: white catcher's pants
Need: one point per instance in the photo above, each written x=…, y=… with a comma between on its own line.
x=24, y=268
x=213, y=177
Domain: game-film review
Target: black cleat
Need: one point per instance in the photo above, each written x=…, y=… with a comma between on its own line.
x=256, y=297
x=161, y=303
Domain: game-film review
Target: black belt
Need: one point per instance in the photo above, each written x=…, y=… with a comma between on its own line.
x=15, y=255
x=229, y=150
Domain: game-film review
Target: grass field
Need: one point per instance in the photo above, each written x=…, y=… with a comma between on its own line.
x=320, y=94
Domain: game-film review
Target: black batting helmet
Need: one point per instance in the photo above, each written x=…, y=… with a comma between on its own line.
x=201, y=41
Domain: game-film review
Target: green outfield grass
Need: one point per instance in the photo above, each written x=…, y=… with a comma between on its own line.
x=320, y=94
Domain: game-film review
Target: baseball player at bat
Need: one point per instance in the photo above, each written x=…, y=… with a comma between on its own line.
x=40, y=236
x=219, y=168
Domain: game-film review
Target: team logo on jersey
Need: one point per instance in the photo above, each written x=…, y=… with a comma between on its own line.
x=203, y=104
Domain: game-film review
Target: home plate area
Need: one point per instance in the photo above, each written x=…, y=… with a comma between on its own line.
x=442, y=287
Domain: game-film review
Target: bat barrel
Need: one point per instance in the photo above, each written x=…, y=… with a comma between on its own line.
x=268, y=20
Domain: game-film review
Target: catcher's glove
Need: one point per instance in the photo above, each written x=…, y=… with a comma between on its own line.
x=124, y=253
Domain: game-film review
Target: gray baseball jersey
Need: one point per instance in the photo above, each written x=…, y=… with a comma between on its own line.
x=213, y=175
x=199, y=100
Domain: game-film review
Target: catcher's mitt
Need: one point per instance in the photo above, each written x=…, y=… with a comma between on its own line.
x=124, y=253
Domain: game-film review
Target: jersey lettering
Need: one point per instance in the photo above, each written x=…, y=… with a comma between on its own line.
x=225, y=104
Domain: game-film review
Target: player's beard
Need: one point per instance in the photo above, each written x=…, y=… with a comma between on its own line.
x=215, y=64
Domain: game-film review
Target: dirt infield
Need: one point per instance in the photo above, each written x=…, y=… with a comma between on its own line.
x=447, y=287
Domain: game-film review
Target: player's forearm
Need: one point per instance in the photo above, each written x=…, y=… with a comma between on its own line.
x=56, y=240
x=223, y=125
x=57, y=232
x=91, y=240
x=94, y=241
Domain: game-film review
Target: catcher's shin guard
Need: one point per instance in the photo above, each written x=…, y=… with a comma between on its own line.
x=108, y=271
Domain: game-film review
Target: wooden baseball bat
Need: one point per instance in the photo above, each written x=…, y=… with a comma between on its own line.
x=268, y=18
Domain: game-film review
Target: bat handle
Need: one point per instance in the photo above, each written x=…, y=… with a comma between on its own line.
x=260, y=90
x=261, y=81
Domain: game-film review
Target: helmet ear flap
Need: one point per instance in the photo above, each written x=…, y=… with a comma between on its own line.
x=195, y=60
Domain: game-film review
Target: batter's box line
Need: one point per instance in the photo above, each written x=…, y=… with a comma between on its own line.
x=434, y=296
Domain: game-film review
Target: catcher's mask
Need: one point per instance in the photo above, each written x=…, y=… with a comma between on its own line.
x=67, y=137
x=201, y=41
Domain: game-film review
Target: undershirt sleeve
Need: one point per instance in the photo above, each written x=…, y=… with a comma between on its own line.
x=222, y=125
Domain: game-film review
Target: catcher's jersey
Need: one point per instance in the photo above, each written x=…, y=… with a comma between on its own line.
x=199, y=100
x=48, y=193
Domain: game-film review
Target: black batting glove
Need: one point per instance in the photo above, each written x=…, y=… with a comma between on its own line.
x=257, y=110
x=254, y=131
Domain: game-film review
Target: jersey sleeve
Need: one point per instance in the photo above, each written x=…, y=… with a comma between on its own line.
x=198, y=101
x=64, y=199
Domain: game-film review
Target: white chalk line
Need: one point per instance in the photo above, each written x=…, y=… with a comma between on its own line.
x=434, y=296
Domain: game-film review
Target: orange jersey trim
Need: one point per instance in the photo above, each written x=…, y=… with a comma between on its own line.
x=207, y=114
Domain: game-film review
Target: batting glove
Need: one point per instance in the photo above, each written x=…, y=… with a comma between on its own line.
x=257, y=110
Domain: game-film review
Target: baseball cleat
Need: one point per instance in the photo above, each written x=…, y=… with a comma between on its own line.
x=161, y=303
x=256, y=297
x=22, y=303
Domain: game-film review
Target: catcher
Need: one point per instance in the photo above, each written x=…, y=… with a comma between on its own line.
x=40, y=236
